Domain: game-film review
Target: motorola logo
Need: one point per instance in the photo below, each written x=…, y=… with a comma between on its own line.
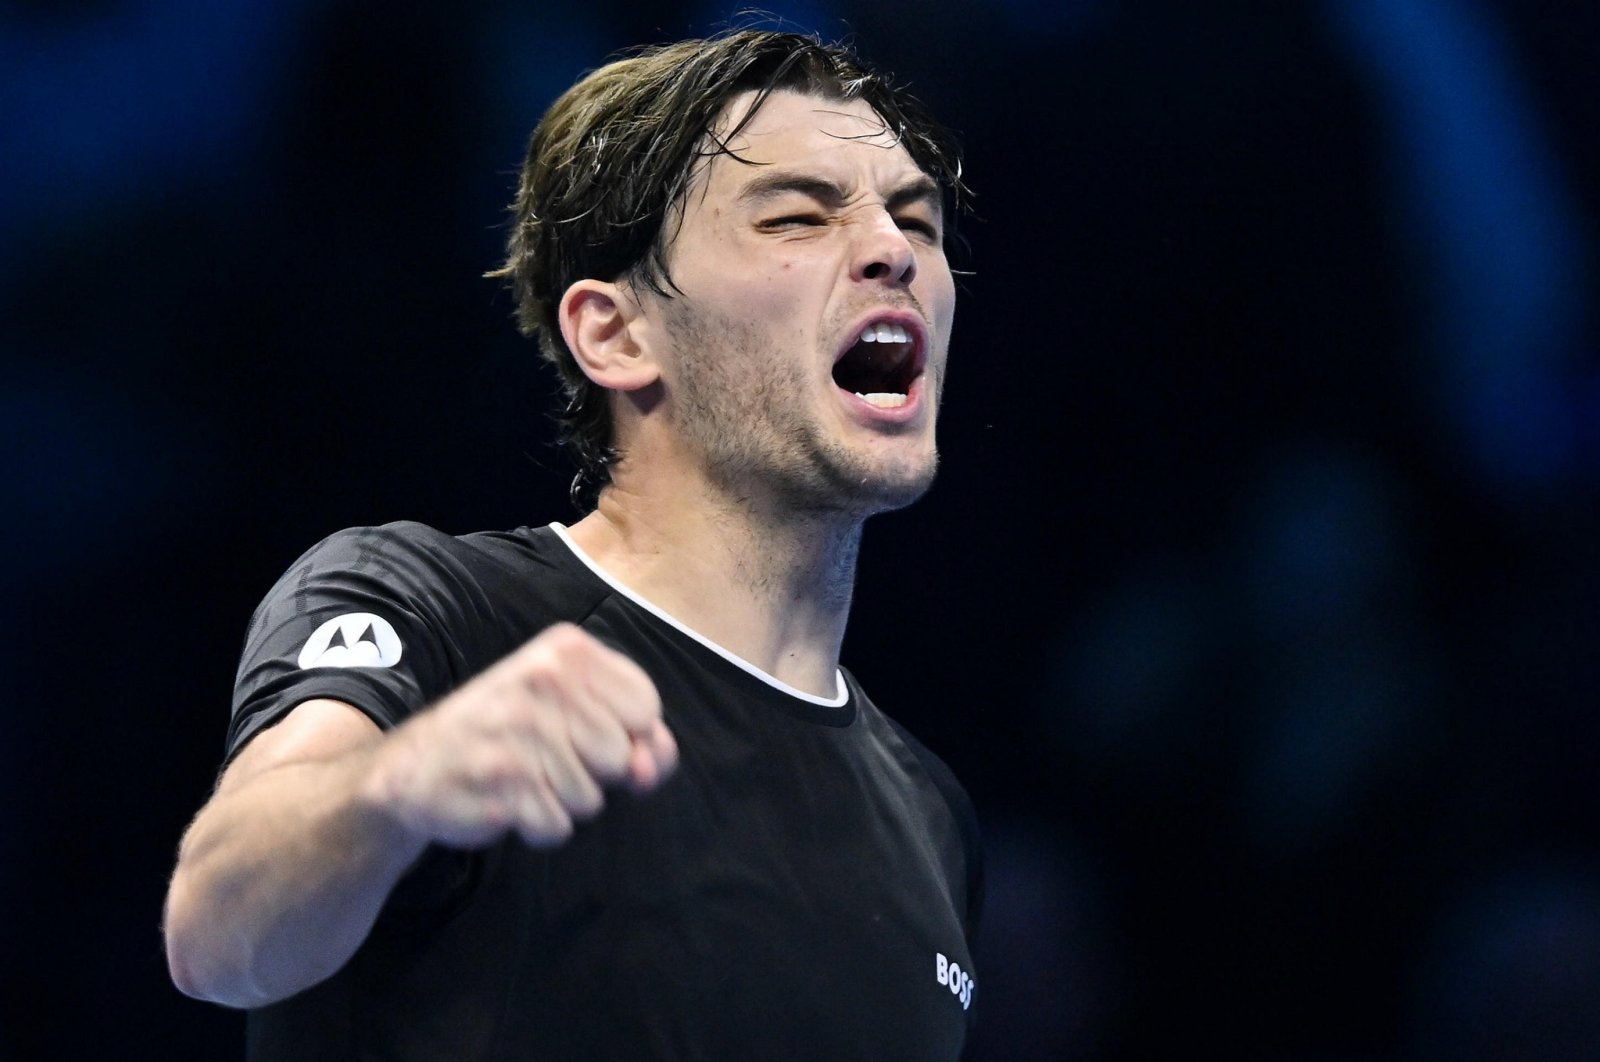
x=356, y=639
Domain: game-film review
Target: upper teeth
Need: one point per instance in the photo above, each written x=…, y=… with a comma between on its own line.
x=885, y=333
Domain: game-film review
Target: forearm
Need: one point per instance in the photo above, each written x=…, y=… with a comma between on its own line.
x=280, y=879
x=283, y=873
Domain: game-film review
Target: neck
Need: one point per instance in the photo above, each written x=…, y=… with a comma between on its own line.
x=766, y=583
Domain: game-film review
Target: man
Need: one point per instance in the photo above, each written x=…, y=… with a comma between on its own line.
x=603, y=791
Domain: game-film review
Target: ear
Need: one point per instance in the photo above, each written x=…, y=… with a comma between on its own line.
x=604, y=329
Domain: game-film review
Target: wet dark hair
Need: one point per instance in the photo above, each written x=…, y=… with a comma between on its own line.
x=612, y=157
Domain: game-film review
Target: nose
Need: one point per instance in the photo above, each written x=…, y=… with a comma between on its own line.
x=884, y=253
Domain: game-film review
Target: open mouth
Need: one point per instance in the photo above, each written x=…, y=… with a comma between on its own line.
x=882, y=364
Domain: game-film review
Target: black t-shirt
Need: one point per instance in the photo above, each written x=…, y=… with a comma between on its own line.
x=806, y=885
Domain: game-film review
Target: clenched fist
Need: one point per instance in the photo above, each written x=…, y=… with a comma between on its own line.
x=528, y=745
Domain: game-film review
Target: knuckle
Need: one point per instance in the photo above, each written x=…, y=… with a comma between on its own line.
x=547, y=727
x=495, y=767
x=642, y=690
x=650, y=701
x=587, y=802
x=547, y=675
x=562, y=639
x=546, y=830
x=642, y=714
x=609, y=761
x=601, y=744
x=496, y=815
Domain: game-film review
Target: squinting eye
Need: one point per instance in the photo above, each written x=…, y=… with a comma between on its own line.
x=926, y=228
x=793, y=219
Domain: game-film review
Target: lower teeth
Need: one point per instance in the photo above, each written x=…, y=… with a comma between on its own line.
x=882, y=399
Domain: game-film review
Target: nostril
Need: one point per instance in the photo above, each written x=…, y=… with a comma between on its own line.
x=887, y=270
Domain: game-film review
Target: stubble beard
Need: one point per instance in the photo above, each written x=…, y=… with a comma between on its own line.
x=748, y=418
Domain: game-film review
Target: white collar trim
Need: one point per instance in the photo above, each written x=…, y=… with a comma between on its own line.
x=842, y=692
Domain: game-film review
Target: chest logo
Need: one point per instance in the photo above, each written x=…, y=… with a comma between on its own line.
x=356, y=639
x=952, y=976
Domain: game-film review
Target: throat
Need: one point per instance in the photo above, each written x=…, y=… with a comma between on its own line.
x=805, y=565
x=776, y=593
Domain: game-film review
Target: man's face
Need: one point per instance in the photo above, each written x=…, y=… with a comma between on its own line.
x=807, y=348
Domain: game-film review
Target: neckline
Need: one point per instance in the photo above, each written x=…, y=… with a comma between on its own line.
x=841, y=689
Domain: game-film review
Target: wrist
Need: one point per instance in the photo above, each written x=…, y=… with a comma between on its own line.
x=377, y=802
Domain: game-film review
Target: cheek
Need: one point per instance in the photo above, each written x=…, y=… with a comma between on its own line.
x=939, y=296
x=770, y=290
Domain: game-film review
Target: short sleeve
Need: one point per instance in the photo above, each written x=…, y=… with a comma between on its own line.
x=370, y=616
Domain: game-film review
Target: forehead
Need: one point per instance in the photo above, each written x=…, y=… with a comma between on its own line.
x=795, y=129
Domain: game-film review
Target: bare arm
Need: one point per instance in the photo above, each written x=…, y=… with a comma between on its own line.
x=284, y=871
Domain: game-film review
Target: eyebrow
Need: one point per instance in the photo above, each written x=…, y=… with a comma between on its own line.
x=921, y=188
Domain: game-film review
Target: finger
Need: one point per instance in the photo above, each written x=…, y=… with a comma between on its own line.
x=460, y=821
x=578, y=793
x=461, y=807
x=664, y=746
x=622, y=689
x=652, y=759
x=643, y=775
x=567, y=719
x=589, y=678
x=541, y=820
x=601, y=745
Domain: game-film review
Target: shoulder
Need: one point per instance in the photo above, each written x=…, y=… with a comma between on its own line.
x=519, y=580
x=945, y=781
x=411, y=576
x=938, y=772
x=951, y=794
x=408, y=551
x=390, y=617
x=375, y=544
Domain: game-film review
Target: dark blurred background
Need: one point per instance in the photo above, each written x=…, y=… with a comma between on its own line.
x=1258, y=601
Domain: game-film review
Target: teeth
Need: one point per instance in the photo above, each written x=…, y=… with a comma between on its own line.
x=885, y=333
x=883, y=400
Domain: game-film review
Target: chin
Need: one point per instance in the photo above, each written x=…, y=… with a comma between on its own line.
x=887, y=487
x=901, y=491
x=833, y=479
